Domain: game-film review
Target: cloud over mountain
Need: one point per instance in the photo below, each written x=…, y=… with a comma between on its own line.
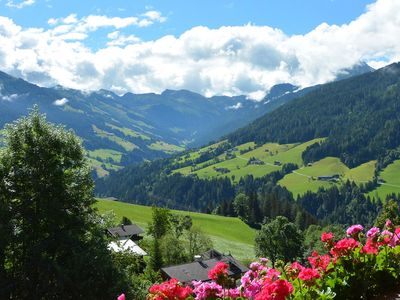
x=236, y=60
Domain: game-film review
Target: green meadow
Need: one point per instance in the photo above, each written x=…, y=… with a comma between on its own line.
x=363, y=173
x=228, y=234
x=390, y=178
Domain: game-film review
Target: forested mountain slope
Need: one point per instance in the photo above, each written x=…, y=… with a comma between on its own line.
x=360, y=118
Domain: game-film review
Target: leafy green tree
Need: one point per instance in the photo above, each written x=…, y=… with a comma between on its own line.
x=54, y=248
x=156, y=258
x=160, y=223
x=197, y=242
x=126, y=221
x=158, y=228
x=312, y=237
x=279, y=239
x=173, y=250
x=180, y=223
x=241, y=207
x=390, y=211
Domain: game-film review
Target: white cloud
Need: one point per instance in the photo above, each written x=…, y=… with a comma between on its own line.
x=118, y=40
x=235, y=106
x=228, y=60
x=21, y=4
x=94, y=22
x=8, y=98
x=155, y=15
x=60, y=102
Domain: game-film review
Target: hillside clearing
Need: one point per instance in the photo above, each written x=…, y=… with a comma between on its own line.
x=390, y=178
x=228, y=234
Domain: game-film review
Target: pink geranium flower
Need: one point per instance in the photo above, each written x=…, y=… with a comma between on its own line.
x=354, y=230
x=373, y=233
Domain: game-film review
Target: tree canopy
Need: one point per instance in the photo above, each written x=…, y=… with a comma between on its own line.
x=279, y=239
x=51, y=246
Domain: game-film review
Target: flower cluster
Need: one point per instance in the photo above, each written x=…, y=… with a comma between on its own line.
x=374, y=255
x=277, y=290
x=219, y=272
x=169, y=290
x=354, y=230
x=344, y=247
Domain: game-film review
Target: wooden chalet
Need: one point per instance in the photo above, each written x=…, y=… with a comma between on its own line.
x=126, y=237
x=198, y=269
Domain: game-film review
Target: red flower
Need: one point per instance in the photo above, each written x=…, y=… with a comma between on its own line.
x=344, y=247
x=309, y=275
x=371, y=247
x=319, y=261
x=220, y=271
x=169, y=290
x=277, y=290
x=294, y=269
x=327, y=237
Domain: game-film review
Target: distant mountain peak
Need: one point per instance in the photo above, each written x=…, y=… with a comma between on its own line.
x=182, y=92
x=358, y=69
x=281, y=89
x=393, y=68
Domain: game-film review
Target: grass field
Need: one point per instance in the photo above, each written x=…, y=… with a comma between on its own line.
x=361, y=174
x=101, y=168
x=298, y=184
x=391, y=177
x=228, y=234
x=165, y=147
x=129, y=132
x=105, y=155
x=304, y=179
x=128, y=146
x=192, y=155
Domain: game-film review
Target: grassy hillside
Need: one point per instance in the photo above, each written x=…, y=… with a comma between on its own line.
x=362, y=173
x=236, y=165
x=228, y=234
x=305, y=178
x=298, y=182
x=390, y=181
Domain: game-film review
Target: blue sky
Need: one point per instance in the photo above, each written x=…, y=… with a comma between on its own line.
x=291, y=16
x=224, y=47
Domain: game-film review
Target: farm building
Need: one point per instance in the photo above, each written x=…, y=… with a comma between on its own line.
x=126, y=236
x=198, y=270
x=329, y=177
x=255, y=161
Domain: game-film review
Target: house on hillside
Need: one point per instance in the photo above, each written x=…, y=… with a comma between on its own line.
x=222, y=170
x=198, y=269
x=334, y=177
x=126, y=237
x=255, y=161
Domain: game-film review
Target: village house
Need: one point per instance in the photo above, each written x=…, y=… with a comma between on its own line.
x=255, y=161
x=334, y=177
x=126, y=236
x=222, y=170
x=198, y=270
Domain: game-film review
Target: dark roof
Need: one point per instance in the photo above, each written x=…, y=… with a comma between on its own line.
x=125, y=230
x=198, y=270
